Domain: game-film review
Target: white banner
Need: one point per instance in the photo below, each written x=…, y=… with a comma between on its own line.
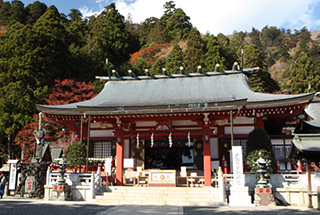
x=13, y=174
x=107, y=165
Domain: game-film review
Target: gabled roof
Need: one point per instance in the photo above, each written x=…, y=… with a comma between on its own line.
x=207, y=92
x=306, y=146
x=313, y=110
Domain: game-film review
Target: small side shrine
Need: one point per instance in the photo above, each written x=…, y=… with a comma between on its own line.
x=167, y=122
x=305, y=144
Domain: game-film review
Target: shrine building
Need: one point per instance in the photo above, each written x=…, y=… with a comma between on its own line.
x=182, y=120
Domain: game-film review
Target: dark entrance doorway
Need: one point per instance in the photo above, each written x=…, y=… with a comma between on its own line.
x=161, y=156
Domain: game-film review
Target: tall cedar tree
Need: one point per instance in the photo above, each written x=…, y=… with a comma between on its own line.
x=303, y=74
x=54, y=54
x=109, y=38
x=194, y=55
x=146, y=27
x=178, y=25
x=261, y=80
x=22, y=83
x=169, y=8
x=174, y=60
x=214, y=55
x=158, y=34
x=227, y=50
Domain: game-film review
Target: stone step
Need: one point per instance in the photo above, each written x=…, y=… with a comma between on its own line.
x=206, y=196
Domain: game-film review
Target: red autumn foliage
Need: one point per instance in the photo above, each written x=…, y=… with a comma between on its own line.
x=148, y=54
x=64, y=91
x=70, y=91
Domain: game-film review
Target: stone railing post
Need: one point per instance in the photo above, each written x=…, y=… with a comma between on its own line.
x=92, y=186
x=98, y=178
x=222, y=190
x=48, y=176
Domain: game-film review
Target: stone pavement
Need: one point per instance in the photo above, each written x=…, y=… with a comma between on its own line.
x=17, y=205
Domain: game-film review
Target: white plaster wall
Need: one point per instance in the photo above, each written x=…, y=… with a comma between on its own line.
x=239, y=130
x=101, y=133
x=146, y=123
x=243, y=120
x=126, y=148
x=214, y=149
x=277, y=141
x=183, y=122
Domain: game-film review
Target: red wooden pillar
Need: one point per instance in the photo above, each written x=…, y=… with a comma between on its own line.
x=120, y=155
x=206, y=157
x=259, y=122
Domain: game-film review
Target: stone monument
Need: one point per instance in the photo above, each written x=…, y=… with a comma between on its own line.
x=239, y=194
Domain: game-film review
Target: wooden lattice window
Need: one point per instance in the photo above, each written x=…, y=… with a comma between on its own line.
x=102, y=149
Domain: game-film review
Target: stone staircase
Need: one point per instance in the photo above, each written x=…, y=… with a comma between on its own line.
x=183, y=196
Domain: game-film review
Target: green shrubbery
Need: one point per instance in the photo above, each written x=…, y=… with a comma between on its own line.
x=259, y=140
x=76, y=155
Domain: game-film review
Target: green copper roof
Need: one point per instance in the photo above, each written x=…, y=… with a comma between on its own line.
x=198, y=93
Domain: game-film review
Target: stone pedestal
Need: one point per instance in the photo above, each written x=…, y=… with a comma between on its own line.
x=264, y=197
x=61, y=193
x=239, y=196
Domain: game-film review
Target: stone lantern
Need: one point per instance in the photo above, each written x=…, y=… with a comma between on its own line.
x=61, y=189
x=263, y=192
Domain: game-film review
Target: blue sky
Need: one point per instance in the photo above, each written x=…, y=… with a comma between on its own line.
x=213, y=16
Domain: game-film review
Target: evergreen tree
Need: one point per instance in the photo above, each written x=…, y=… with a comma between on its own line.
x=34, y=11
x=158, y=34
x=304, y=38
x=31, y=58
x=259, y=141
x=178, y=25
x=52, y=46
x=174, y=60
x=75, y=15
x=169, y=7
x=5, y=15
x=214, y=55
x=255, y=38
x=269, y=35
x=261, y=80
x=194, y=55
x=17, y=12
x=156, y=68
x=146, y=27
x=109, y=39
x=303, y=74
x=227, y=50
x=140, y=66
x=237, y=43
x=76, y=154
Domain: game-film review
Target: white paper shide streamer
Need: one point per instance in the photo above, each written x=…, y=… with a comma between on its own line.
x=189, y=143
x=137, y=140
x=170, y=140
x=152, y=140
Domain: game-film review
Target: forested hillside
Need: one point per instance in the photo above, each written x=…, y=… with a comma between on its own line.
x=41, y=45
